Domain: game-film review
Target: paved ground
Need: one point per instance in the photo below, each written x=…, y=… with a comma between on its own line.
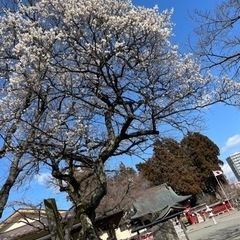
x=227, y=228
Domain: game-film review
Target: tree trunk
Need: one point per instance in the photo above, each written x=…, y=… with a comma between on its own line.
x=9, y=183
x=60, y=232
x=164, y=231
x=112, y=233
x=88, y=231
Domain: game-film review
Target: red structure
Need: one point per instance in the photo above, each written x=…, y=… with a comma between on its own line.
x=221, y=208
x=200, y=213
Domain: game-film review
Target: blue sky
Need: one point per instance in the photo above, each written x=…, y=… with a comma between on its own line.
x=222, y=122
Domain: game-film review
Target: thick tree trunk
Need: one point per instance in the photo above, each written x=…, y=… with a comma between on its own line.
x=86, y=213
x=88, y=231
x=60, y=232
x=165, y=231
x=112, y=233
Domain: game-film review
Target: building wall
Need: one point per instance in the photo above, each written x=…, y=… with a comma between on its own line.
x=234, y=163
x=122, y=235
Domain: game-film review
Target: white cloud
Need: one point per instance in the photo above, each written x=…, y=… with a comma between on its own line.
x=47, y=180
x=232, y=142
x=43, y=178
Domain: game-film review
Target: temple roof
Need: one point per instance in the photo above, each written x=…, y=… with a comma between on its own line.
x=156, y=199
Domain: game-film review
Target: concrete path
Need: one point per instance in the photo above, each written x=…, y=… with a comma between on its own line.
x=226, y=228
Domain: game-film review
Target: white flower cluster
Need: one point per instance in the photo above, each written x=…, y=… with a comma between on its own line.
x=77, y=70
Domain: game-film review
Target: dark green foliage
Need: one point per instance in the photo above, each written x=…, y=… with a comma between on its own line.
x=203, y=153
x=186, y=166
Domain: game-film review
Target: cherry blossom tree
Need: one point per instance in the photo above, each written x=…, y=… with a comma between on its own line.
x=218, y=37
x=83, y=82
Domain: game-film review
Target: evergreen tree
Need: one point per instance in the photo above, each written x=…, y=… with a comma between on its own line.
x=186, y=166
x=203, y=154
x=169, y=165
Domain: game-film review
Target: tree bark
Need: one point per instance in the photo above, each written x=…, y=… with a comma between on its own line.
x=9, y=183
x=88, y=230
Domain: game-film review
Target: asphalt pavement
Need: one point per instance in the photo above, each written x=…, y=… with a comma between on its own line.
x=227, y=227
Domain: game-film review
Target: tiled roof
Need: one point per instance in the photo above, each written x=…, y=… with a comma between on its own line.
x=156, y=199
